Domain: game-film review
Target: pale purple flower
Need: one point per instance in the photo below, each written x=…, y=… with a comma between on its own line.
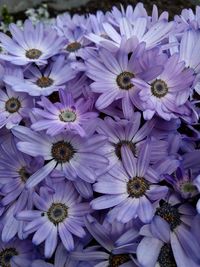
x=112, y=74
x=166, y=94
x=58, y=214
x=43, y=81
x=33, y=44
x=14, y=106
x=16, y=253
x=65, y=116
x=130, y=190
x=70, y=153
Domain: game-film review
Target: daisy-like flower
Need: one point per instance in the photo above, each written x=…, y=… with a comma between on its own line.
x=166, y=94
x=117, y=240
x=42, y=81
x=112, y=75
x=130, y=191
x=73, y=30
x=16, y=253
x=33, y=44
x=130, y=134
x=60, y=214
x=14, y=106
x=15, y=170
x=67, y=116
x=113, y=38
x=155, y=249
x=70, y=153
x=172, y=222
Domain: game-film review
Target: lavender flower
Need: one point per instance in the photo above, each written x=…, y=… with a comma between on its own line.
x=14, y=107
x=63, y=117
x=61, y=214
x=68, y=153
x=16, y=253
x=42, y=81
x=134, y=188
x=33, y=44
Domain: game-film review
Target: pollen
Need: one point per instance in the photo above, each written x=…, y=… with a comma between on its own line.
x=124, y=80
x=73, y=47
x=62, y=151
x=166, y=257
x=33, y=53
x=12, y=105
x=159, y=88
x=6, y=255
x=137, y=187
x=170, y=214
x=67, y=116
x=44, y=82
x=119, y=145
x=57, y=213
x=117, y=260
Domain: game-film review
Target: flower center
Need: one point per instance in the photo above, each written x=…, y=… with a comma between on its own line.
x=117, y=260
x=118, y=147
x=62, y=151
x=6, y=255
x=124, y=80
x=33, y=53
x=24, y=175
x=137, y=187
x=67, y=116
x=44, y=82
x=166, y=257
x=159, y=88
x=73, y=47
x=57, y=213
x=12, y=105
x=188, y=187
x=169, y=214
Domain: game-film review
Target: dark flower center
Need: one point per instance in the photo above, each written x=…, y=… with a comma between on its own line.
x=73, y=47
x=124, y=80
x=67, y=116
x=33, y=53
x=137, y=187
x=166, y=257
x=24, y=175
x=117, y=260
x=57, y=213
x=44, y=82
x=62, y=151
x=118, y=147
x=12, y=105
x=159, y=88
x=170, y=214
x=6, y=255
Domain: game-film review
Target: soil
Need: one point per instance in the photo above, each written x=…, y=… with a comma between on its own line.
x=172, y=6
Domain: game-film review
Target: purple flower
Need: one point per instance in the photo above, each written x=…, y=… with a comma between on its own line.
x=126, y=29
x=16, y=253
x=70, y=153
x=168, y=92
x=42, y=81
x=33, y=44
x=67, y=116
x=130, y=134
x=112, y=75
x=130, y=191
x=14, y=106
x=58, y=214
x=118, y=242
x=172, y=224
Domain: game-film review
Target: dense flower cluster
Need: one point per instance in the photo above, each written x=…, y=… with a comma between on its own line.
x=99, y=145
